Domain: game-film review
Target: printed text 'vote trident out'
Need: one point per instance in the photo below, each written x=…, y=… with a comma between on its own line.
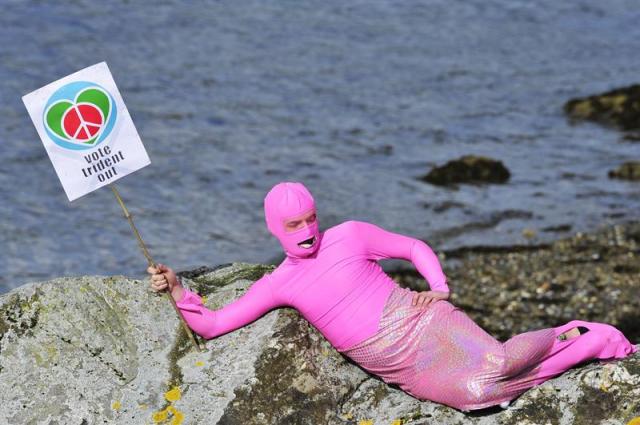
x=100, y=161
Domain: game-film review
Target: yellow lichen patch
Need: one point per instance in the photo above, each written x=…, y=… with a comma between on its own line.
x=204, y=299
x=199, y=363
x=173, y=394
x=614, y=102
x=178, y=417
x=365, y=422
x=528, y=233
x=83, y=289
x=116, y=405
x=397, y=422
x=634, y=421
x=582, y=109
x=160, y=416
x=348, y=415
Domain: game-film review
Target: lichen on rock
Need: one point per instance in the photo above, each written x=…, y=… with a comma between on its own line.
x=98, y=349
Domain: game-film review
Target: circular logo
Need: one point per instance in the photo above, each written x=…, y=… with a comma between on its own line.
x=79, y=115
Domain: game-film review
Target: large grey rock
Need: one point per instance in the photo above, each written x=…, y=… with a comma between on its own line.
x=94, y=350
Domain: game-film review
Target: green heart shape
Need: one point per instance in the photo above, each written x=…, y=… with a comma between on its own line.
x=96, y=97
x=90, y=95
x=54, y=117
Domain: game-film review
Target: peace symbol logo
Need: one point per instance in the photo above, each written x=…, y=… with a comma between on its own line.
x=79, y=115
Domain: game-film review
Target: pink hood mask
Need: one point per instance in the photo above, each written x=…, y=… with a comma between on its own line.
x=284, y=201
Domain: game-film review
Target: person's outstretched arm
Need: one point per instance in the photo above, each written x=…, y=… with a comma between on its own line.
x=380, y=244
x=211, y=323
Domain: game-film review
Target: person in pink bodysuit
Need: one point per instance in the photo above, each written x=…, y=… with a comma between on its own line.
x=419, y=341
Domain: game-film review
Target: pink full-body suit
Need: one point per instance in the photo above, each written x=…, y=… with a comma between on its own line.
x=338, y=286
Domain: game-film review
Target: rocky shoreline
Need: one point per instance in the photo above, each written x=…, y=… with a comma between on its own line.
x=508, y=290
x=100, y=349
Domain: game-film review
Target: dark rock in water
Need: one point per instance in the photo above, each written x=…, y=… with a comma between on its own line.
x=632, y=137
x=619, y=108
x=443, y=206
x=628, y=171
x=558, y=228
x=468, y=169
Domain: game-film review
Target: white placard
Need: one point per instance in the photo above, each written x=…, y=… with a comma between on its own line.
x=86, y=130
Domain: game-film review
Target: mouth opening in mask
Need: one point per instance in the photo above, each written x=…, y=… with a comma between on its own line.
x=308, y=243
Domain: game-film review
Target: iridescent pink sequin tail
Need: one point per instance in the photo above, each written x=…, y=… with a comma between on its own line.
x=438, y=353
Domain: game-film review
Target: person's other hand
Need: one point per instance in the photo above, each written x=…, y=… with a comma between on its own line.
x=162, y=278
x=425, y=298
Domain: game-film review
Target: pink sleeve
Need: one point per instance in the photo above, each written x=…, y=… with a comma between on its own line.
x=211, y=323
x=380, y=244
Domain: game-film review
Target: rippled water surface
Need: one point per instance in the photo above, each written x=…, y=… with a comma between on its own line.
x=355, y=99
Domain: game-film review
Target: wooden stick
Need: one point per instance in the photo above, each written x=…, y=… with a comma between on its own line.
x=129, y=217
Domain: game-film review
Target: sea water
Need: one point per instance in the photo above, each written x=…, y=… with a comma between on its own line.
x=354, y=99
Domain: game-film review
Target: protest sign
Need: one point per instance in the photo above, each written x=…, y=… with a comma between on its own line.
x=86, y=130
x=90, y=139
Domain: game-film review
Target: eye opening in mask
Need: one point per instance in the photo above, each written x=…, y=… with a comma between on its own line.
x=298, y=222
